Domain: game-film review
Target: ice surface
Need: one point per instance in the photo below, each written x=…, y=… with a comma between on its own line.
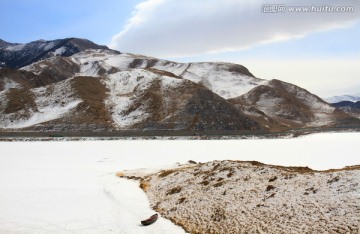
x=71, y=187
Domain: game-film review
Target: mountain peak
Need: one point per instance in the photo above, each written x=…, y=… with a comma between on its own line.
x=341, y=98
x=19, y=55
x=5, y=43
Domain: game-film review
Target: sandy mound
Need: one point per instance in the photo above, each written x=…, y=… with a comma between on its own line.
x=250, y=197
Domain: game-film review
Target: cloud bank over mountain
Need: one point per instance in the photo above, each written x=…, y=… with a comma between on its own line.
x=169, y=28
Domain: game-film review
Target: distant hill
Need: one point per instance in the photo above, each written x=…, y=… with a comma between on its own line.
x=341, y=98
x=352, y=108
x=15, y=55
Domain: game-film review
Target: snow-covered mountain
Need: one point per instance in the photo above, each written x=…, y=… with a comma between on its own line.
x=278, y=104
x=341, y=98
x=349, y=104
x=4, y=44
x=15, y=55
x=101, y=89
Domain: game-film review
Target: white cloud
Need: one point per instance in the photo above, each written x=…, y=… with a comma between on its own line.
x=174, y=28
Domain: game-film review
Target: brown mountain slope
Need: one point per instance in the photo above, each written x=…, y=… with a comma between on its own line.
x=281, y=105
x=102, y=90
x=138, y=99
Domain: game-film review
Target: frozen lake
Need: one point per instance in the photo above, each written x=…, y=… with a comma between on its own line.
x=70, y=187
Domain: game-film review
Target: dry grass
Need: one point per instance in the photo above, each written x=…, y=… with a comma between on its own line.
x=272, y=179
x=181, y=200
x=93, y=93
x=162, y=72
x=173, y=191
x=144, y=185
x=177, y=195
x=20, y=99
x=216, y=173
x=219, y=184
x=205, y=182
x=166, y=173
x=269, y=187
x=120, y=174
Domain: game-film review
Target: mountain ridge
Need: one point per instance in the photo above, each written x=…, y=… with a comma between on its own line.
x=98, y=89
x=346, y=97
x=352, y=108
x=15, y=55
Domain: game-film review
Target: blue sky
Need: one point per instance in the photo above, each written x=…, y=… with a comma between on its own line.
x=28, y=20
x=317, y=51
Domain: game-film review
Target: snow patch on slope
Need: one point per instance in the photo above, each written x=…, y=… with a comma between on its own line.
x=92, y=61
x=48, y=45
x=89, y=61
x=215, y=77
x=126, y=87
x=59, y=51
x=15, y=47
x=176, y=68
x=10, y=84
x=170, y=82
x=121, y=61
x=267, y=103
x=123, y=86
x=44, y=115
x=52, y=102
x=309, y=100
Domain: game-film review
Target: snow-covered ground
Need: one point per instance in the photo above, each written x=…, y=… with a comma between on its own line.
x=248, y=197
x=71, y=187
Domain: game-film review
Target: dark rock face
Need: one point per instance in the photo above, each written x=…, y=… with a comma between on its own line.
x=4, y=44
x=211, y=111
x=352, y=108
x=191, y=107
x=20, y=55
x=355, y=105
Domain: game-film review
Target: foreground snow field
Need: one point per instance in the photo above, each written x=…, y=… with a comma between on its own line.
x=71, y=187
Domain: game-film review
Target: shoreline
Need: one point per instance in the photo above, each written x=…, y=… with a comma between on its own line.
x=175, y=192
x=165, y=135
